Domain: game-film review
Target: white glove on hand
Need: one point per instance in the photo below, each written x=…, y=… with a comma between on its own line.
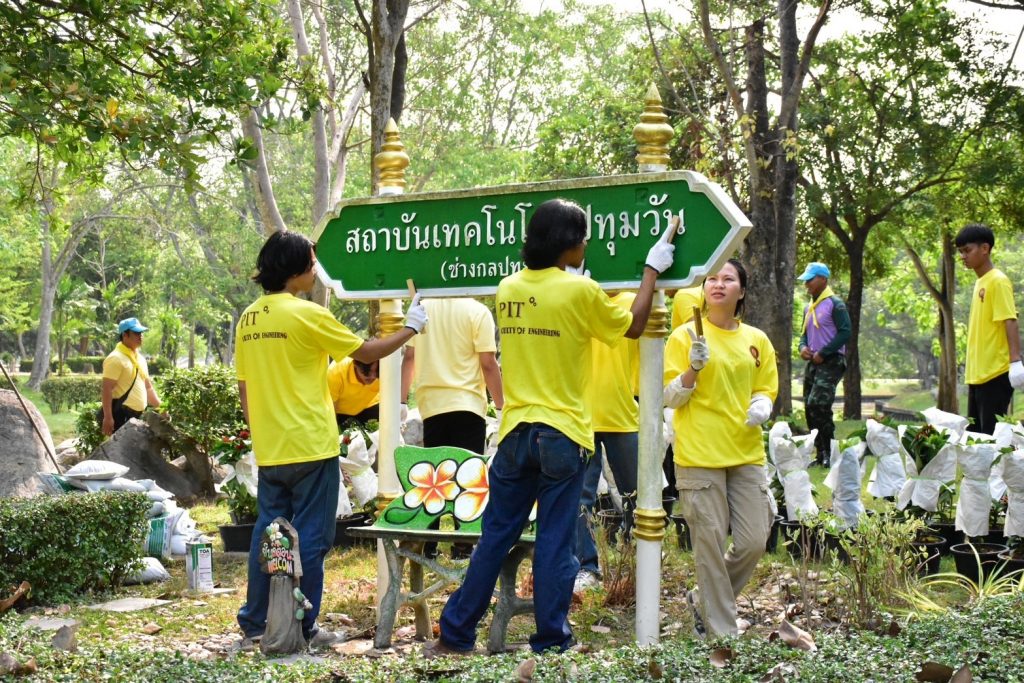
x=1017, y=375
x=699, y=352
x=582, y=270
x=497, y=415
x=760, y=410
x=660, y=255
x=416, y=317
x=403, y=413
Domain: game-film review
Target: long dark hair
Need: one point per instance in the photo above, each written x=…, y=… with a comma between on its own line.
x=285, y=254
x=556, y=225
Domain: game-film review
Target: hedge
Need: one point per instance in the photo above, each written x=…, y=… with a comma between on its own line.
x=86, y=364
x=65, y=545
x=71, y=390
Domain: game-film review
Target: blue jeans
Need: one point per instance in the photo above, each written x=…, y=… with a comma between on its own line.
x=533, y=462
x=621, y=448
x=305, y=494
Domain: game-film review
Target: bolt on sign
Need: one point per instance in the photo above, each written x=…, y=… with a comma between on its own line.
x=464, y=242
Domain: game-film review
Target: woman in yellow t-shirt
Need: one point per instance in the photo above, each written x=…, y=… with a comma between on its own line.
x=721, y=384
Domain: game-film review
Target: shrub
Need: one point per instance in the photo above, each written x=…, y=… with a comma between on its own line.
x=71, y=391
x=87, y=428
x=64, y=545
x=25, y=365
x=86, y=364
x=159, y=365
x=202, y=403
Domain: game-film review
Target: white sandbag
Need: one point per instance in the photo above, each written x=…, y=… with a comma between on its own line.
x=157, y=542
x=179, y=542
x=975, y=502
x=52, y=484
x=152, y=571
x=96, y=469
x=412, y=428
x=156, y=509
x=117, y=484
x=1013, y=475
x=796, y=489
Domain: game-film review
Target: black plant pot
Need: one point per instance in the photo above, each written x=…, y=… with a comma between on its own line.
x=343, y=524
x=682, y=532
x=800, y=540
x=932, y=548
x=1014, y=561
x=773, y=535
x=237, y=538
x=967, y=562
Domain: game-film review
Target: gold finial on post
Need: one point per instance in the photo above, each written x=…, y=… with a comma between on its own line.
x=391, y=161
x=652, y=134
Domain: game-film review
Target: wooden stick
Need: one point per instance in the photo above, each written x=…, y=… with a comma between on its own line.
x=697, y=322
x=411, y=286
x=674, y=224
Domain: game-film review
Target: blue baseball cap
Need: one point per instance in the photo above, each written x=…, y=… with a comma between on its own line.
x=130, y=325
x=813, y=270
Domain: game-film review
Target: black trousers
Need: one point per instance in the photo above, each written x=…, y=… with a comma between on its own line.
x=985, y=402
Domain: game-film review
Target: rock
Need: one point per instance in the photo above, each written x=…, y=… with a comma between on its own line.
x=152, y=628
x=22, y=453
x=137, y=446
x=65, y=639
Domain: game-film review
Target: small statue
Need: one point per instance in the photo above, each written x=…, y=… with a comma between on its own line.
x=279, y=557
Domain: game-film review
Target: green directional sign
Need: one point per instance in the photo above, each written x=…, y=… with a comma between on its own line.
x=465, y=242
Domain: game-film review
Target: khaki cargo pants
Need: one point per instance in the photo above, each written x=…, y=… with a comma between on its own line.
x=713, y=501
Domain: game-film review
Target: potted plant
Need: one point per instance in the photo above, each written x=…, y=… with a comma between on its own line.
x=234, y=454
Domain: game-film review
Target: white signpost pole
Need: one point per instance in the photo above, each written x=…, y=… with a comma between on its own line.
x=652, y=135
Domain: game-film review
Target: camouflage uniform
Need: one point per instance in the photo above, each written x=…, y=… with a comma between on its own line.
x=820, y=383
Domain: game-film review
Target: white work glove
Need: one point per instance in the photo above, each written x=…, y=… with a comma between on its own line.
x=497, y=415
x=582, y=270
x=1017, y=375
x=699, y=351
x=760, y=410
x=403, y=413
x=416, y=317
x=675, y=394
x=660, y=255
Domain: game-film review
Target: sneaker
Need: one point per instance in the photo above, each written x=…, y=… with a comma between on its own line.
x=698, y=620
x=585, y=580
x=324, y=639
x=437, y=648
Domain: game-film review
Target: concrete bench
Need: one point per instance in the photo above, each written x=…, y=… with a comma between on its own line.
x=436, y=483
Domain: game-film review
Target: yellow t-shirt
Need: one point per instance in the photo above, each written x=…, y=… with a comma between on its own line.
x=988, y=351
x=350, y=396
x=119, y=368
x=546, y=319
x=615, y=379
x=683, y=302
x=711, y=429
x=281, y=348
x=448, y=375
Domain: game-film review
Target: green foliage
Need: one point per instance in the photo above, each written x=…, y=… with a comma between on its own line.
x=64, y=545
x=86, y=364
x=158, y=365
x=202, y=403
x=228, y=451
x=881, y=562
x=87, y=428
x=71, y=390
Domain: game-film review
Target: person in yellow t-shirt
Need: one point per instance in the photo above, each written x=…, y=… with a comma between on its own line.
x=127, y=390
x=994, y=366
x=355, y=390
x=547, y=319
x=722, y=386
x=282, y=344
x=453, y=367
x=616, y=421
x=683, y=302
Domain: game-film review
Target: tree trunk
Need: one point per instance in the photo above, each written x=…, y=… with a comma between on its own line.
x=265, y=200
x=191, y=346
x=41, y=357
x=851, y=380
x=948, y=399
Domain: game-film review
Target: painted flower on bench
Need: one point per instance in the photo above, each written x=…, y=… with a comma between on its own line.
x=472, y=478
x=432, y=487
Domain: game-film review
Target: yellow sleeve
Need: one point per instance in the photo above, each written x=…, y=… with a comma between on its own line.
x=766, y=379
x=1003, y=307
x=677, y=354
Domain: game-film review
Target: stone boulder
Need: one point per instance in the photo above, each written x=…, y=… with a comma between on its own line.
x=22, y=453
x=137, y=446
